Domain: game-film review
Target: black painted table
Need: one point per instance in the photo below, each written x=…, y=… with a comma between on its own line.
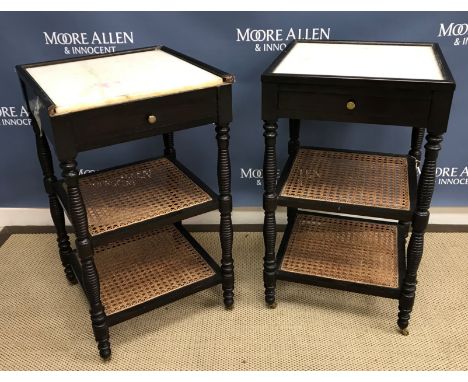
x=362, y=82
x=133, y=254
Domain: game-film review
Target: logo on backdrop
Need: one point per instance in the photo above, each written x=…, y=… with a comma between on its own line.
x=457, y=32
x=444, y=175
x=452, y=175
x=255, y=175
x=88, y=43
x=273, y=40
x=14, y=116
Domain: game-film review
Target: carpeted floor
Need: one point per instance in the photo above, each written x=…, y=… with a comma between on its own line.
x=44, y=322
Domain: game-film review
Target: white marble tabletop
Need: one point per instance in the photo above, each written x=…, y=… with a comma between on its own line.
x=361, y=60
x=86, y=84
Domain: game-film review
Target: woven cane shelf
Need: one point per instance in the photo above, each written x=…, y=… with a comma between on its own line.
x=346, y=252
x=348, y=182
x=143, y=192
x=151, y=265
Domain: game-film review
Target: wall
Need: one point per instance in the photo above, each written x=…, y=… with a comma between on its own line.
x=224, y=40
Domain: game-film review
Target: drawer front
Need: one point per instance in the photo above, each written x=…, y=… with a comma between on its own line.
x=397, y=108
x=133, y=120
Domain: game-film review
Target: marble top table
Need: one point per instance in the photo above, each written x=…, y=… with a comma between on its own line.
x=83, y=103
x=362, y=60
x=84, y=84
x=378, y=83
x=128, y=219
x=388, y=83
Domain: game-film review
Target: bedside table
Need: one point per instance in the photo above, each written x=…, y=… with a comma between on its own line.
x=133, y=253
x=362, y=82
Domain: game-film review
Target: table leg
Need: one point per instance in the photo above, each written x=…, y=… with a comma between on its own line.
x=56, y=210
x=293, y=147
x=225, y=208
x=269, y=205
x=169, y=149
x=417, y=137
x=86, y=253
x=419, y=224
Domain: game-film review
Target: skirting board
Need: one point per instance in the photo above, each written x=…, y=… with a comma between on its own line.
x=240, y=216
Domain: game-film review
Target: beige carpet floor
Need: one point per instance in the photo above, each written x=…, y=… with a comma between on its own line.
x=44, y=322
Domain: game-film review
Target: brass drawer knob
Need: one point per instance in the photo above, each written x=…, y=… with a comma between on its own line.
x=152, y=119
x=350, y=105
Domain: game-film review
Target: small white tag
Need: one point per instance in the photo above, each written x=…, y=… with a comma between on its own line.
x=36, y=107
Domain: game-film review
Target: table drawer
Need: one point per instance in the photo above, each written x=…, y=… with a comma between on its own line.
x=134, y=120
x=394, y=108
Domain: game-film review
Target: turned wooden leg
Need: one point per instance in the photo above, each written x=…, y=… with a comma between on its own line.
x=56, y=210
x=169, y=149
x=419, y=225
x=406, y=227
x=417, y=137
x=63, y=240
x=293, y=147
x=269, y=205
x=86, y=253
x=225, y=208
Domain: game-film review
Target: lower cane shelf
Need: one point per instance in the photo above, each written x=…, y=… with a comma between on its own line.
x=150, y=269
x=343, y=253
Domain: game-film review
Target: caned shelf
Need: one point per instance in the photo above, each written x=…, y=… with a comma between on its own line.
x=156, y=190
x=361, y=183
x=146, y=270
x=343, y=253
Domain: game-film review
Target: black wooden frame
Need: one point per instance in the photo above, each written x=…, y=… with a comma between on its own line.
x=421, y=104
x=75, y=132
